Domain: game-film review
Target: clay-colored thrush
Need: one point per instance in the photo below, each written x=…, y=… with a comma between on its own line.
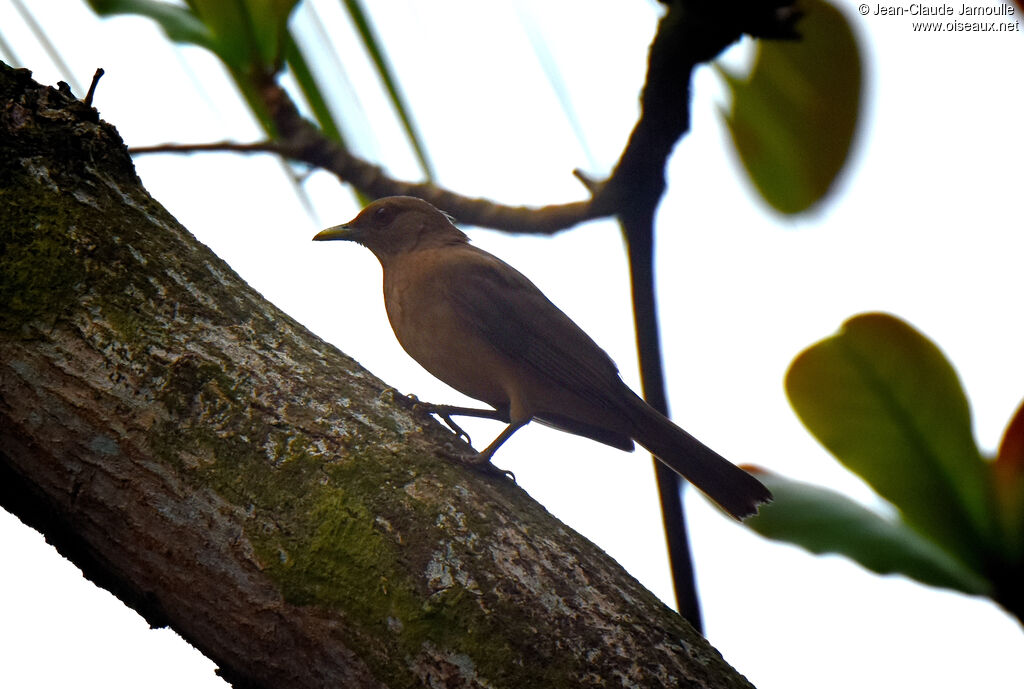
x=480, y=326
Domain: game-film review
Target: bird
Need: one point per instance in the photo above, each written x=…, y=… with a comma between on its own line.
x=479, y=325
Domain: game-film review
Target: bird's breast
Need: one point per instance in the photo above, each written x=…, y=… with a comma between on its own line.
x=434, y=333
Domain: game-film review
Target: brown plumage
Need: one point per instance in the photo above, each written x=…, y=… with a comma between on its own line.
x=480, y=326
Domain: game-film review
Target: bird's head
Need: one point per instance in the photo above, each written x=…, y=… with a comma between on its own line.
x=395, y=225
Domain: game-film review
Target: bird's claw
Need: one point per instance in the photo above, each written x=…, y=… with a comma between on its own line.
x=483, y=464
x=456, y=428
x=486, y=467
x=479, y=462
x=427, y=408
x=505, y=473
x=390, y=394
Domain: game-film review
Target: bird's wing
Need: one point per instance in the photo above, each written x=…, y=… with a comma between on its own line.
x=516, y=317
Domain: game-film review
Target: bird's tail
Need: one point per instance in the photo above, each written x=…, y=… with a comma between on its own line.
x=735, y=490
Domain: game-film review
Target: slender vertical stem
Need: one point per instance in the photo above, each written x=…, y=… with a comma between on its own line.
x=639, y=232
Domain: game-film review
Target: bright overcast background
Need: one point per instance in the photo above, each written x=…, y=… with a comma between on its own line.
x=925, y=223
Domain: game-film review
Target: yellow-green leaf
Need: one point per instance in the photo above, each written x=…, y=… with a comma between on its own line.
x=250, y=34
x=886, y=402
x=792, y=120
x=823, y=521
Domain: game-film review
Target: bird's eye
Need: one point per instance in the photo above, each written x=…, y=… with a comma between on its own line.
x=382, y=216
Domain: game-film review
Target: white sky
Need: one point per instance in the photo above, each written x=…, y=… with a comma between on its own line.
x=926, y=224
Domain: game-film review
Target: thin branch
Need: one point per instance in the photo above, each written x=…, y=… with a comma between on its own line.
x=639, y=230
x=92, y=87
x=304, y=142
x=688, y=34
x=215, y=147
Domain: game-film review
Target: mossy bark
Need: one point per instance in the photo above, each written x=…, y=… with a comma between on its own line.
x=225, y=472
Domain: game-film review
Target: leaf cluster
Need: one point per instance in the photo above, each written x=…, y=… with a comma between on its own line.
x=885, y=401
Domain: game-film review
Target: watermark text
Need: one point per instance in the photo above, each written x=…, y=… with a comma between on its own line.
x=995, y=17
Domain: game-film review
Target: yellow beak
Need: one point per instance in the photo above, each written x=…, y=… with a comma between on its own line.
x=336, y=232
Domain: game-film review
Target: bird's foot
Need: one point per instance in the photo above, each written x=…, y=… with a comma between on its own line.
x=413, y=403
x=441, y=413
x=477, y=461
x=491, y=470
x=395, y=396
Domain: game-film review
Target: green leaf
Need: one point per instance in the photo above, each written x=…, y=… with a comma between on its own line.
x=886, y=402
x=179, y=23
x=227, y=21
x=792, y=120
x=270, y=22
x=249, y=33
x=823, y=521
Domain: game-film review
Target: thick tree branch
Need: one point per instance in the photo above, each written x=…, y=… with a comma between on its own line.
x=225, y=472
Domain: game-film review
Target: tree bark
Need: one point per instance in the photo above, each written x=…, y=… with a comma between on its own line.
x=225, y=472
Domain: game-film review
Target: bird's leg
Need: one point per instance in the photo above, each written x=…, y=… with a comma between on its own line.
x=488, y=453
x=444, y=410
x=482, y=460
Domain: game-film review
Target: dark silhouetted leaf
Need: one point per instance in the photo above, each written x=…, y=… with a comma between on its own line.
x=1008, y=475
x=1011, y=449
